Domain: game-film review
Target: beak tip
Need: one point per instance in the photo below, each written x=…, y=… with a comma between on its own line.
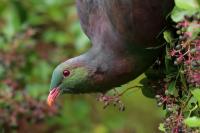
x=49, y=102
x=52, y=96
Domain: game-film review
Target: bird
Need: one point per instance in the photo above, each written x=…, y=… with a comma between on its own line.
x=123, y=34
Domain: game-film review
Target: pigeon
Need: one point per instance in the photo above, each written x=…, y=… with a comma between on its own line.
x=124, y=34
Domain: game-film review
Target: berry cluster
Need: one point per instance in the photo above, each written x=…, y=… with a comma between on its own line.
x=174, y=123
x=14, y=112
x=112, y=100
x=185, y=55
x=187, y=51
x=169, y=102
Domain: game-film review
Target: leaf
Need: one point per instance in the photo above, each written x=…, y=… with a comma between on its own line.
x=178, y=14
x=172, y=88
x=168, y=37
x=187, y=4
x=192, y=122
x=20, y=9
x=194, y=28
x=196, y=94
x=146, y=89
x=161, y=127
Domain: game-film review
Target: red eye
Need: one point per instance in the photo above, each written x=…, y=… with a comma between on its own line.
x=66, y=73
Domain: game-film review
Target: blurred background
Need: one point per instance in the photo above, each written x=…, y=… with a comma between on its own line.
x=35, y=36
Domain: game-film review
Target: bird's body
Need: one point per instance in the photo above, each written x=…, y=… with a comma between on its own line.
x=121, y=32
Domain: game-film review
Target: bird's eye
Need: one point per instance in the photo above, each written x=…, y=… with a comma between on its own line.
x=66, y=73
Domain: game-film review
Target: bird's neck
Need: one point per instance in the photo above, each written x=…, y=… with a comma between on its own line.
x=110, y=67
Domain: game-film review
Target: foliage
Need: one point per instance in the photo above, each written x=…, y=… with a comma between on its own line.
x=178, y=87
x=29, y=37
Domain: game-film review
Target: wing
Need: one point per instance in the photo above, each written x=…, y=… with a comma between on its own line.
x=89, y=13
x=138, y=21
x=133, y=21
x=95, y=22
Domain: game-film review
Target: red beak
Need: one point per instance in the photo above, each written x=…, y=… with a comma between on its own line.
x=54, y=93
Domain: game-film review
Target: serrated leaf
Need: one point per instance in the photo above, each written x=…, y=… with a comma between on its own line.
x=196, y=94
x=192, y=122
x=187, y=4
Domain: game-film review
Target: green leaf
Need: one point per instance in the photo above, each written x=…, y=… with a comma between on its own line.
x=187, y=4
x=161, y=127
x=192, y=122
x=196, y=94
x=172, y=88
x=146, y=89
x=194, y=29
x=168, y=36
x=20, y=9
x=178, y=14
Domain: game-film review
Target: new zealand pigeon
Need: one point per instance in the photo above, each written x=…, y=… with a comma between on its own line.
x=122, y=32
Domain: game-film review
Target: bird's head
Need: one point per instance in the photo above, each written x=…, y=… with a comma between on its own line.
x=67, y=78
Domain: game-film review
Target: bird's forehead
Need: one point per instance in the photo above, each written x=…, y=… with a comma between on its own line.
x=62, y=66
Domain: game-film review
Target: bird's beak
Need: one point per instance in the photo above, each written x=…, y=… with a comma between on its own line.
x=54, y=93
